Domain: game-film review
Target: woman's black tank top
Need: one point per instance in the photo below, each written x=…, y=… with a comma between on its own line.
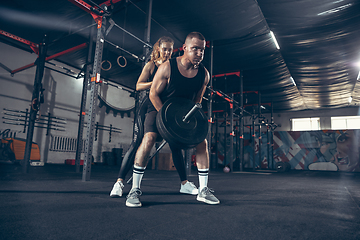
x=150, y=79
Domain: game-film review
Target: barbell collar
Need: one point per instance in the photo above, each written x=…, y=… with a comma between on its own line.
x=192, y=111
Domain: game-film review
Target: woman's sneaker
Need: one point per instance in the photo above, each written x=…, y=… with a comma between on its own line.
x=117, y=189
x=206, y=196
x=189, y=188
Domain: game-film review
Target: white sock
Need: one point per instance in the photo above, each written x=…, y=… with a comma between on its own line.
x=203, y=178
x=138, y=173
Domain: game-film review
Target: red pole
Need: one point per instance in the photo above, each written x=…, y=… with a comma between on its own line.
x=73, y=49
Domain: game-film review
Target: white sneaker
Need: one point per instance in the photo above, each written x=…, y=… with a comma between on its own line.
x=189, y=188
x=206, y=196
x=117, y=189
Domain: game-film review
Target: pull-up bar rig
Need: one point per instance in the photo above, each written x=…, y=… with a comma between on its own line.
x=230, y=99
x=99, y=14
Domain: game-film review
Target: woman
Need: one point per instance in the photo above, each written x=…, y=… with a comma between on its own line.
x=162, y=51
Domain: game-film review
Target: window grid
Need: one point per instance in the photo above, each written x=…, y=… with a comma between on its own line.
x=349, y=122
x=305, y=124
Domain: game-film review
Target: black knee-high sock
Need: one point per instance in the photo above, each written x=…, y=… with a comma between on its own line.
x=179, y=162
x=128, y=161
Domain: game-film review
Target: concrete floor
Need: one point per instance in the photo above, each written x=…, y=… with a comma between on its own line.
x=52, y=202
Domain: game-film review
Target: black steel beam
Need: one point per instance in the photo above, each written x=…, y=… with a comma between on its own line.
x=35, y=102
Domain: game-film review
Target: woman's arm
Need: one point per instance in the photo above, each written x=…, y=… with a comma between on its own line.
x=142, y=82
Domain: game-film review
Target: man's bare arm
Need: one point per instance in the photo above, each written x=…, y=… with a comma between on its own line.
x=200, y=94
x=160, y=81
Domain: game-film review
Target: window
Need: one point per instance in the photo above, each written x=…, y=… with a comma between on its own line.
x=351, y=122
x=305, y=124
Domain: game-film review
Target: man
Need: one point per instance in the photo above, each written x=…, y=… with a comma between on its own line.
x=182, y=77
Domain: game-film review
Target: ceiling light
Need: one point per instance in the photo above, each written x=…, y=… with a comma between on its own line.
x=334, y=10
x=358, y=77
x=293, y=81
x=274, y=39
x=350, y=99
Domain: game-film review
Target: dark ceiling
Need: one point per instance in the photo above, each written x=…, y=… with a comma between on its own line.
x=319, y=43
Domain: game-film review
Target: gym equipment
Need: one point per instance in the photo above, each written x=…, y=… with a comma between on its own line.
x=14, y=148
x=181, y=123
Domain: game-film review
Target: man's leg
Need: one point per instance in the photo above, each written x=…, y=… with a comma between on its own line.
x=202, y=162
x=141, y=160
x=142, y=154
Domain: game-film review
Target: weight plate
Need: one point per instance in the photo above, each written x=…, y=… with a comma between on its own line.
x=177, y=132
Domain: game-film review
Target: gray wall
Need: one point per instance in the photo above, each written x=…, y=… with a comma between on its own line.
x=62, y=99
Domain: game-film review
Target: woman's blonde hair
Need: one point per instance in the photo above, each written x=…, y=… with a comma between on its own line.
x=155, y=54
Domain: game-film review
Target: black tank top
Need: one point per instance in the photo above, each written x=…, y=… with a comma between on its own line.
x=150, y=79
x=180, y=86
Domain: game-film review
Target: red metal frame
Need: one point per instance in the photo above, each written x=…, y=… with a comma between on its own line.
x=181, y=48
x=256, y=104
x=227, y=74
x=108, y=2
x=73, y=49
x=33, y=46
x=88, y=8
x=178, y=49
x=256, y=92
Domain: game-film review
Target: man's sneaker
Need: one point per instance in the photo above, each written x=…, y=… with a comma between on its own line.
x=133, y=198
x=189, y=188
x=206, y=196
x=117, y=189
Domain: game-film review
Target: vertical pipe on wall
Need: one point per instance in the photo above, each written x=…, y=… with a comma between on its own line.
x=225, y=137
x=241, y=124
x=93, y=96
x=210, y=114
x=216, y=142
x=231, y=148
x=253, y=138
x=260, y=121
x=35, y=102
x=271, y=157
x=83, y=101
x=225, y=126
x=268, y=145
x=140, y=97
x=148, y=30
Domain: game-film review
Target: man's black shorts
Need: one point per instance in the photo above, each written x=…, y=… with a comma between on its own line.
x=150, y=122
